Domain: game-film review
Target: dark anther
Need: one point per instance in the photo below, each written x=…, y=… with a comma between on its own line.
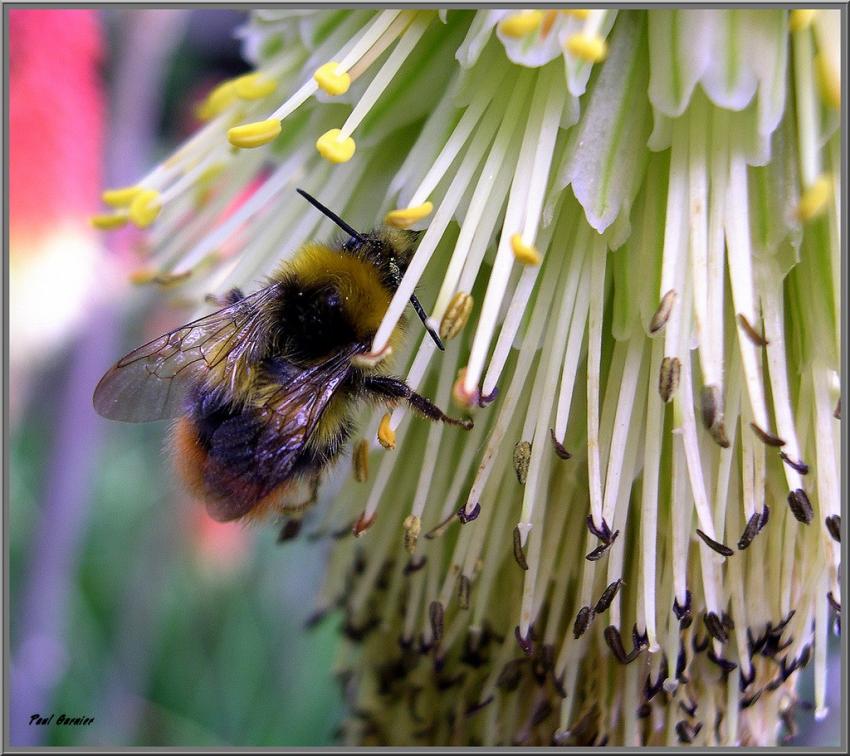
x=560, y=449
x=583, y=618
x=683, y=613
x=615, y=643
x=607, y=596
x=750, y=531
x=473, y=515
x=745, y=679
x=644, y=710
x=767, y=438
x=639, y=640
x=543, y=710
x=444, y=683
x=524, y=643
x=600, y=550
x=558, y=684
x=714, y=626
x=290, y=529
x=439, y=663
x=668, y=377
x=652, y=689
x=720, y=548
x=475, y=708
x=689, y=708
x=833, y=526
x=800, y=506
x=765, y=516
x=727, y=621
x=836, y=605
x=358, y=633
x=752, y=334
x=435, y=612
x=784, y=622
x=603, y=533
x=485, y=399
x=836, y=413
x=725, y=664
x=519, y=554
x=510, y=676
x=438, y=529
x=750, y=700
x=687, y=732
x=798, y=465
x=699, y=644
x=316, y=618
x=681, y=662
x=414, y=564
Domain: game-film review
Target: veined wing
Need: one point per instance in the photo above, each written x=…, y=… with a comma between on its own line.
x=150, y=382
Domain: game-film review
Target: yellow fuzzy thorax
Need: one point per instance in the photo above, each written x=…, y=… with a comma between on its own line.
x=364, y=296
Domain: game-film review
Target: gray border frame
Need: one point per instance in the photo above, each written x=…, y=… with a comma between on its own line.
x=4, y=374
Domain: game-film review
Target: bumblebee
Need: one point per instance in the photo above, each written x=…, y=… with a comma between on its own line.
x=264, y=391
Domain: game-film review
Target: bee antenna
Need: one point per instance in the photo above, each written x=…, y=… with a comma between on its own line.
x=330, y=214
x=424, y=318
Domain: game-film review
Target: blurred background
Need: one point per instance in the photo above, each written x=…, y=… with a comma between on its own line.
x=128, y=604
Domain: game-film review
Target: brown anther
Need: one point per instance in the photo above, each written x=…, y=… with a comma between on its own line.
x=720, y=548
x=715, y=627
x=765, y=516
x=600, y=550
x=440, y=527
x=583, y=619
x=412, y=527
x=615, y=643
x=414, y=565
x=800, y=506
x=767, y=438
x=833, y=526
x=457, y=314
x=519, y=554
x=607, y=596
x=836, y=605
x=511, y=675
x=668, y=377
x=603, y=532
x=725, y=664
x=712, y=415
x=522, y=458
x=798, y=465
x=750, y=532
x=662, y=314
x=836, y=413
x=436, y=614
x=360, y=460
x=560, y=449
x=751, y=333
x=363, y=524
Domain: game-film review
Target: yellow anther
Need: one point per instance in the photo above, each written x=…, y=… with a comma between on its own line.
x=331, y=79
x=580, y=13
x=109, y=222
x=217, y=101
x=386, y=435
x=254, y=86
x=589, y=47
x=254, y=134
x=801, y=19
x=524, y=253
x=405, y=217
x=457, y=313
x=171, y=279
x=520, y=24
x=815, y=199
x=412, y=528
x=142, y=276
x=334, y=149
x=360, y=460
x=145, y=207
x=120, y=197
x=829, y=82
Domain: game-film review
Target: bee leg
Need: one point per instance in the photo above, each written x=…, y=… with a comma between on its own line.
x=395, y=388
x=225, y=300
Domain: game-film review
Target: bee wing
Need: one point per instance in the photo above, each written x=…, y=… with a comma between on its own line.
x=254, y=451
x=150, y=382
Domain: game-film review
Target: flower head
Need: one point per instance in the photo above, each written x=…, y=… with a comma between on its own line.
x=627, y=215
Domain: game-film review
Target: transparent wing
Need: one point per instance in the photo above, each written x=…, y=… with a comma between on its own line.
x=256, y=449
x=150, y=382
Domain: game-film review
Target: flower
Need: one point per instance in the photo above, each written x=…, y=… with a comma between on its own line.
x=631, y=224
